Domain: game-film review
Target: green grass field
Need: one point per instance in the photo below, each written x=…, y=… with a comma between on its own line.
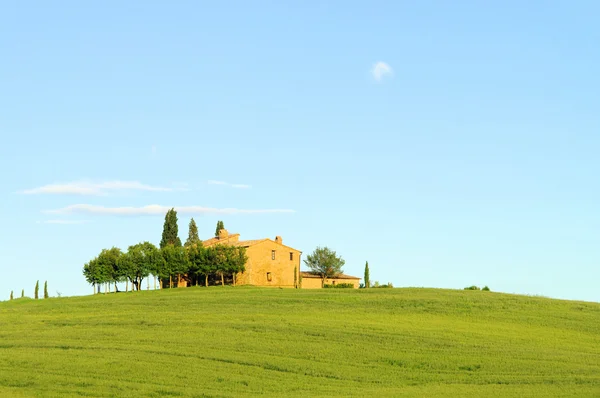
x=242, y=341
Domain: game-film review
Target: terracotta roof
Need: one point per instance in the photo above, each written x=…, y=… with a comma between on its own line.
x=242, y=243
x=338, y=276
x=239, y=243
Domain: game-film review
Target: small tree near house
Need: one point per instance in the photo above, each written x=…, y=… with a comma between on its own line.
x=325, y=263
x=220, y=226
x=367, y=277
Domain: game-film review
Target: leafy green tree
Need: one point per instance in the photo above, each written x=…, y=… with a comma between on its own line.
x=175, y=262
x=138, y=262
x=193, y=238
x=46, y=289
x=221, y=261
x=170, y=235
x=237, y=261
x=108, y=267
x=325, y=263
x=37, y=290
x=91, y=273
x=157, y=266
x=11, y=294
x=198, y=263
x=220, y=226
x=367, y=280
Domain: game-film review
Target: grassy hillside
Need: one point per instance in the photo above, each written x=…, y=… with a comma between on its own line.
x=242, y=341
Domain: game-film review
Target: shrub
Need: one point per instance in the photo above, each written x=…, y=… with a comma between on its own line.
x=376, y=285
x=486, y=289
x=472, y=288
x=339, y=286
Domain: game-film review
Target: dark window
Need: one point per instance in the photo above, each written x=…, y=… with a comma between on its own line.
x=291, y=256
x=269, y=278
x=272, y=254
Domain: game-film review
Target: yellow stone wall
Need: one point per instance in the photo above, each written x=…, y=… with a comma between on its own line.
x=260, y=263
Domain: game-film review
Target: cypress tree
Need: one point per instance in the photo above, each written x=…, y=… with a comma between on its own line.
x=193, y=237
x=46, y=289
x=170, y=230
x=220, y=226
x=22, y=293
x=296, y=277
x=367, y=280
x=11, y=294
x=37, y=289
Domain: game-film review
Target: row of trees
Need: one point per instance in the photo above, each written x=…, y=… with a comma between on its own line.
x=36, y=291
x=170, y=261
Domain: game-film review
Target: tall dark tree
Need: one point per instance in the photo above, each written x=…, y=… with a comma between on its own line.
x=367, y=278
x=325, y=263
x=37, y=290
x=220, y=226
x=193, y=238
x=46, y=290
x=11, y=294
x=22, y=293
x=170, y=235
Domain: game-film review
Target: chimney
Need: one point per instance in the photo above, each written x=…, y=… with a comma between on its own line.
x=278, y=240
x=223, y=234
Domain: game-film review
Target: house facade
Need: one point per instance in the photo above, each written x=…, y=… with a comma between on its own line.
x=270, y=262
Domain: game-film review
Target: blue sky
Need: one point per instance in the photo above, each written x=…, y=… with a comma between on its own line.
x=468, y=156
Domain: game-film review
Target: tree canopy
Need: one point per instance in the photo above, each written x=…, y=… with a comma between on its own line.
x=325, y=263
x=138, y=262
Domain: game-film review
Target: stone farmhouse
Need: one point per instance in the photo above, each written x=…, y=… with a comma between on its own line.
x=271, y=263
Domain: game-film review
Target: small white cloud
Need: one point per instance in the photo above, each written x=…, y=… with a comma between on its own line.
x=63, y=222
x=154, y=210
x=239, y=186
x=380, y=70
x=92, y=188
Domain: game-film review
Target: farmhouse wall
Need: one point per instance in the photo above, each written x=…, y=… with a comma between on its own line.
x=270, y=264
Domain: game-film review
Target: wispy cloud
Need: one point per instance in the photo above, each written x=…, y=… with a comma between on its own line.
x=63, y=222
x=156, y=210
x=380, y=70
x=240, y=186
x=93, y=188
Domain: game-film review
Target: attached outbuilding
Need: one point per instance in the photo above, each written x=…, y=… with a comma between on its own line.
x=314, y=281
